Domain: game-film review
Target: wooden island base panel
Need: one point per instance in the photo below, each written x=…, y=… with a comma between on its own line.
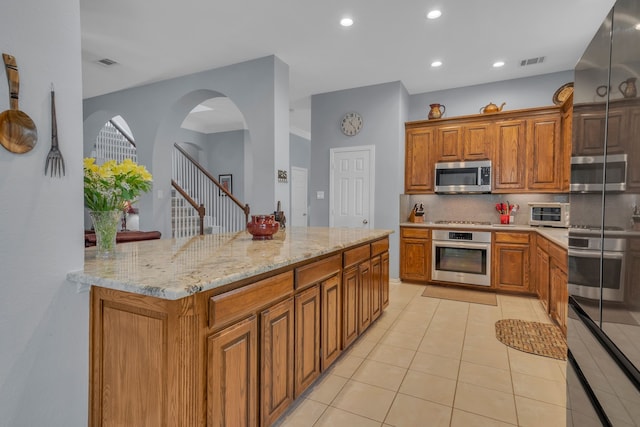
x=238, y=347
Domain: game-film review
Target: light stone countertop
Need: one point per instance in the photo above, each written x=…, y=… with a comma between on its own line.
x=558, y=236
x=175, y=268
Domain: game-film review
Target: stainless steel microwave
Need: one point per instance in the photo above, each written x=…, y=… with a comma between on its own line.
x=463, y=177
x=587, y=173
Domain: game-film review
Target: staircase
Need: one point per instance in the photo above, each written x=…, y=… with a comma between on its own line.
x=199, y=204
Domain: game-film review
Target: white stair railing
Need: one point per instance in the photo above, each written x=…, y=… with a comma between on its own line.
x=223, y=212
x=113, y=144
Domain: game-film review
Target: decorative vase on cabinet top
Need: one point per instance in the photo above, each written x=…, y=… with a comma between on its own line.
x=436, y=111
x=491, y=108
x=628, y=88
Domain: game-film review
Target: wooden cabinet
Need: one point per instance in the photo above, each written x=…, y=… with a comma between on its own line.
x=232, y=376
x=529, y=155
x=415, y=254
x=349, y=306
x=331, y=321
x=529, y=148
x=590, y=130
x=542, y=271
x=419, y=161
x=276, y=357
x=633, y=150
x=545, y=154
x=468, y=141
x=233, y=356
x=511, y=261
x=558, y=285
x=307, y=338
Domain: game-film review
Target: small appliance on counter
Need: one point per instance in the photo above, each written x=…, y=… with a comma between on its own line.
x=549, y=214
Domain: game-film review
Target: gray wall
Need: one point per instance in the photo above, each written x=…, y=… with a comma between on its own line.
x=225, y=155
x=381, y=109
x=155, y=112
x=43, y=319
x=299, y=151
x=527, y=92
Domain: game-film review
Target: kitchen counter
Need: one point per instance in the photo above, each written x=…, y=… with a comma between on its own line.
x=175, y=268
x=558, y=236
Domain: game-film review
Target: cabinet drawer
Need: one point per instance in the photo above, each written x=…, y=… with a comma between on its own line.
x=416, y=233
x=234, y=305
x=317, y=271
x=522, y=238
x=379, y=246
x=559, y=255
x=357, y=255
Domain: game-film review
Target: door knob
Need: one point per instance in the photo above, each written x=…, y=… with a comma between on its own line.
x=364, y=221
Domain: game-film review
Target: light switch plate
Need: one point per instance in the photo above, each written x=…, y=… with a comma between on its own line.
x=319, y=195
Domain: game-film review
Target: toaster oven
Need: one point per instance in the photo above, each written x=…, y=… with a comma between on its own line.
x=551, y=214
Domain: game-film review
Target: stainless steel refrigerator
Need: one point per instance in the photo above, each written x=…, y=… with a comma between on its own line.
x=603, y=332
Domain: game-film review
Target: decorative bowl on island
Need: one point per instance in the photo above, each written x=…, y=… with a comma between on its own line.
x=262, y=227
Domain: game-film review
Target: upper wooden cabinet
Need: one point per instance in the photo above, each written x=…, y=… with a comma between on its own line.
x=463, y=142
x=418, y=167
x=529, y=148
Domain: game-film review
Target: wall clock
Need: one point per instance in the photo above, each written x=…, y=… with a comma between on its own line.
x=351, y=124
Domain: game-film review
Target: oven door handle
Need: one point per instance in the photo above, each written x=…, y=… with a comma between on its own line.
x=594, y=254
x=461, y=244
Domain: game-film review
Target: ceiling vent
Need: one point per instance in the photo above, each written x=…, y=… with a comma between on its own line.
x=531, y=61
x=107, y=62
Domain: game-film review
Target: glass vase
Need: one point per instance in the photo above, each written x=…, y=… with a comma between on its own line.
x=105, y=224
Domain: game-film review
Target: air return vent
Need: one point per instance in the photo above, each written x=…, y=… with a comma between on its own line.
x=531, y=61
x=107, y=62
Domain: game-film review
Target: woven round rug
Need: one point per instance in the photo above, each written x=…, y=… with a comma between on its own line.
x=543, y=339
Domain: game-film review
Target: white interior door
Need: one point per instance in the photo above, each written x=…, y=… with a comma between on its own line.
x=299, y=185
x=351, y=185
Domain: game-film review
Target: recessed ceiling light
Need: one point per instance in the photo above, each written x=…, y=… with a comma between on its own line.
x=434, y=14
x=637, y=27
x=436, y=64
x=346, y=22
x=498, y=64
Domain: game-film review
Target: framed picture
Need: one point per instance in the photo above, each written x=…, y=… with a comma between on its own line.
x=226, y=182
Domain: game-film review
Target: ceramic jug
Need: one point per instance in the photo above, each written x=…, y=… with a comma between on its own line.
x=628, y=88
x=436, y=111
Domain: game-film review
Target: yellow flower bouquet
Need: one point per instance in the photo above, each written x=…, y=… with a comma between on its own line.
x=109, y=186
x=108, y=190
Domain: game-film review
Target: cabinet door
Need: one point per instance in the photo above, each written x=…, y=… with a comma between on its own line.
x=567, y=146
x=276, y=366
x=364, y=296
x=385, y=280
x=307, y=358
x=376, y=287
x=449, y=144
x=331, y=321
x=590, y=136
x=419, y=169
x=542, y=277
x=633, y=150
x=559, y=296
x=476, y=141
x=510, y=155
x=232, y=375
x=349, y=306
x=544, y=145
x=511, y=267
x=415, y=259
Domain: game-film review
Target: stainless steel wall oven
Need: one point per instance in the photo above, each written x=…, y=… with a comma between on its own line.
x=460, y=256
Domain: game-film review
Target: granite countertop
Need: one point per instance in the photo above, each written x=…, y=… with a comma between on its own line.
x=558, y=236
x=175, y=268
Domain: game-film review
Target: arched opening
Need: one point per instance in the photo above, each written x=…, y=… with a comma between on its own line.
x=114, y=141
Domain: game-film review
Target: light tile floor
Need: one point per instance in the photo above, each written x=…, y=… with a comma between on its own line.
x=432, y=362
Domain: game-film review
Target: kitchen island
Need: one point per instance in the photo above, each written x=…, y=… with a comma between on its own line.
x=224, y=330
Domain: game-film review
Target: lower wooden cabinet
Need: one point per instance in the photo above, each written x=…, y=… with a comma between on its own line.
x=541, y=275
x=232, y=375
x=364, y=296
x=307, y=338
x=376, y=287
x=511, y=261
x=349, y=306
x=415, y=254
x=331, y=321
x=558, y=288
x=385, y=279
